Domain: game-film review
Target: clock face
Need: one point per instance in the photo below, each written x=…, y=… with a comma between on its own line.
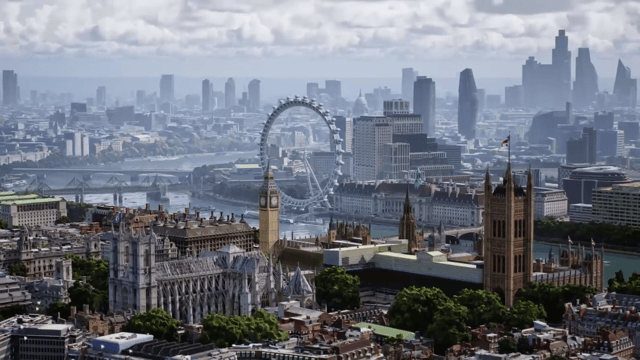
x=263, y=201
x=274, y=201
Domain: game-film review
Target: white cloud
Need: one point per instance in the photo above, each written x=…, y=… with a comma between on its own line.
x=377, y=28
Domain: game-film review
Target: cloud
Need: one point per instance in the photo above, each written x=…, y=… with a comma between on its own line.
x=434, y=29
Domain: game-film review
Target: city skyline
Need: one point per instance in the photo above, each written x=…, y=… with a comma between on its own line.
x=190, y=38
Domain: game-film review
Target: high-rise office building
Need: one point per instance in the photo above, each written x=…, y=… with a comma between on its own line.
x=333, y=88
x=34, y=97
x=467, y=104
x=206, y=95
x=513, y=96
x=101, y=96
x=10, y=89
x=631, y=131
x=230, y=93
x=603, y=120
x=395, y=161
x=313, y=90
x=610, y=143
x=482, y=97
x=345, y=127
x=254, y=95
x=625, y=89
x=549, y=85
x=408, y=78
x=585, y=87
x=369, y=136
x=583, y=150
x=424, y=103
x=167, y=89
x=140, y=97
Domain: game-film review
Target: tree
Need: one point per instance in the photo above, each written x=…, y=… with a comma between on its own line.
x=225, y=331
x=4, y=225
x=56, y=308
x=18, y=270
x=11, y=311
x=83, y=293
x=156, y=322
x=448, y=326
x=485, y=307
x=631, y=287
x=338, y=289
x=523, y=346
x=524, y=313
x=508, y=345
x=553, y=297
x=63, y=220
x=414, y=308
x=95, y=271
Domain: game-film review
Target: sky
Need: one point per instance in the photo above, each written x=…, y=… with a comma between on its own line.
x=308, y=38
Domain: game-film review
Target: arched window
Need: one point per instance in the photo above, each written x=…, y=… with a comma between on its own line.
x=126, y=254
x=494, y=262
x=515, y=263
x=504, y=266
x=147, y=258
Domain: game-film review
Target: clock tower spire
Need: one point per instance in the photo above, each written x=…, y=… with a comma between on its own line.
x=269, y=204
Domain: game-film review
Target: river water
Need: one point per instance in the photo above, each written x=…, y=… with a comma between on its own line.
x=179, y=201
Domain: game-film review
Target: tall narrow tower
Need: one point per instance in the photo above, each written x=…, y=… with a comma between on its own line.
x=508, y=230
x=269, y=212
x=408, y=228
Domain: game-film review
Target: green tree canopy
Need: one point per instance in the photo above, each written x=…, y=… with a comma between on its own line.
x=96, y=271
x=508, y=345
x=18, y=270
x=485, y=307
x=448, y=326
x=553, y=297
x=81, y=294
x=524, y=313
x=619, y=285
x=156, y=322
x=225, y=331
x=414, y=308
x=63, y=220
x=56, y=308
x=338, y=289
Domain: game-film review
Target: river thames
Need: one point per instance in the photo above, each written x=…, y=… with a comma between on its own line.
x=179, y=201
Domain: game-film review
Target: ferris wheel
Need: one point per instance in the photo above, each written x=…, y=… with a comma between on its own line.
x=318, y=194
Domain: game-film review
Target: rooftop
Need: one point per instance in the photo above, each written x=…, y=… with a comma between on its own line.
x=30, y=201
x=385, y=330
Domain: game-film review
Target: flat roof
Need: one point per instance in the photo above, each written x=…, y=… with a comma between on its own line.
x=432, y=253
x=30, y=201
x=386, y=331
x=19, y=197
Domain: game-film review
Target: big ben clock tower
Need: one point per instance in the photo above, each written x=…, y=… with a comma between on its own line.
x=269, y=201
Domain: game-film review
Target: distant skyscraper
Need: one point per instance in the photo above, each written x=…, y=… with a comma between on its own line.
x=625, y=88
x=424, y=103
x=561, y=61
x=230, y=93
x=206, y=95
x=254, y=95
x=408, y=78
x=345, y=127
x=167, y=88
x=482, y=95
x=513, y=96
x=370, y=133
x=549, y=85
x=140, y=97
x=585, y=88
x=467, y=104
x=10, y=89
x=101, y=96
x=333, y=88
x=34, y=97
x=583, y=150
x=312, y=90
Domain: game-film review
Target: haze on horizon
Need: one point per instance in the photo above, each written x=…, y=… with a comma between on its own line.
x=314, y=38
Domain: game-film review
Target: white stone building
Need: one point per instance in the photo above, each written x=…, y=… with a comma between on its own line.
x=550, y=203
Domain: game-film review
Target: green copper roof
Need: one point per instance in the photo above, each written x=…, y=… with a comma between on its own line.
x=30, y=201
x=19, y=197
x=386, y=331
x=5, y=193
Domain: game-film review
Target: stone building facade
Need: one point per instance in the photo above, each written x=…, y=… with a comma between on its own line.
x=229, y=281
